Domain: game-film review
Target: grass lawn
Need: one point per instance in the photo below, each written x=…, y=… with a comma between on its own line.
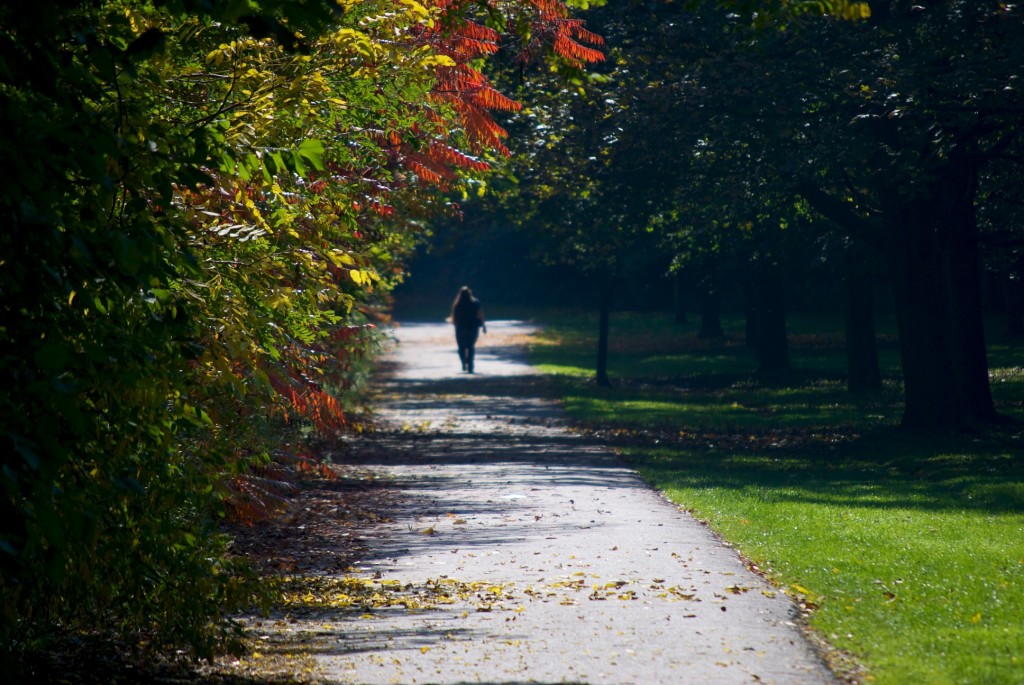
x=908, y=550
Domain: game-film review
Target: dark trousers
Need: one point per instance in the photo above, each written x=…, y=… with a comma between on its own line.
x=466, y=340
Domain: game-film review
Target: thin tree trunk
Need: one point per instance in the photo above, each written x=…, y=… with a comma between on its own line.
x=710, y=302
x=749, y=313
x=679, y=292
x=605, y=304
x=1013, y=286
x=772, y=346
x=710, y=313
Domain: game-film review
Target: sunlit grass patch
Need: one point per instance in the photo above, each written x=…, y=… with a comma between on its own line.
x=914, y=564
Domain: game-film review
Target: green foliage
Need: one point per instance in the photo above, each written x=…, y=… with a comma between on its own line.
x=114, y=471
x=206, y=207
x=903, y=549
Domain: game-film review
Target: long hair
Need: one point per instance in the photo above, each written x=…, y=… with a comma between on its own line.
x=462, y=300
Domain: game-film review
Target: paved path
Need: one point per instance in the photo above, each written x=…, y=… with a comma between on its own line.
x=530, y=555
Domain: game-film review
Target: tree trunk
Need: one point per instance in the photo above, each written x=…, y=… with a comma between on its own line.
x=936, y=288
x=710, y=314
x=863, y=371
x=604, y=290
x=679, y=297
x=963, y=271
x=930, y=394
x=710, y=304
x=771, y=349
x=1013, y=287
x=749, y=313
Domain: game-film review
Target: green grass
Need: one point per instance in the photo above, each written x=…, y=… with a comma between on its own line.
x=908, y=549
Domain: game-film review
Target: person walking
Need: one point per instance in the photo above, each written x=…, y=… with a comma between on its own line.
x=468, y=318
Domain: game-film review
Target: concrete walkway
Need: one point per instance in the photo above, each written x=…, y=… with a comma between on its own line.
x=529, y=555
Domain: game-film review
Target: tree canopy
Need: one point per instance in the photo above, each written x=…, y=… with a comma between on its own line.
x=741, y=134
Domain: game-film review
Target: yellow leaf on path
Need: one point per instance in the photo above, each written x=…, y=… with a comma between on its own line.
x=424, y=650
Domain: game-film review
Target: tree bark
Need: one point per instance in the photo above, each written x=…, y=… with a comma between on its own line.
x=710, y=305
x=1013, y=287
x=749, y=313
x=604, y=290
x=936, y=287
x=931, y=244
x=863, y=371
x=679, y=291
x=963, y=271
x=710, y=314
x=930, y=394
x=771, y=348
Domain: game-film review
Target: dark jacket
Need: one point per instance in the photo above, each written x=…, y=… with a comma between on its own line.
x=466, y=315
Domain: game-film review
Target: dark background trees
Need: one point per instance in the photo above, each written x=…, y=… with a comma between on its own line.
x=902, y=136
x=751, y=148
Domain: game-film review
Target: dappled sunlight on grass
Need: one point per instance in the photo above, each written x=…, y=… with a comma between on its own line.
x=1008, y=385
x=709, y=413
x=736, y=407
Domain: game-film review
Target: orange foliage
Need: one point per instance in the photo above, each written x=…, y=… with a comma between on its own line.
x=571, y=49
x=468, y=92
